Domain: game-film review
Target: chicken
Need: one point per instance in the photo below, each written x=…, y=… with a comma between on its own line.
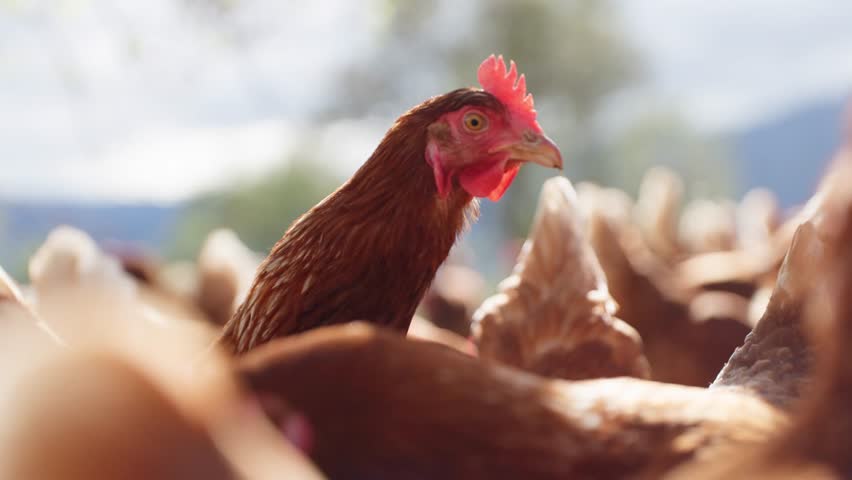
x=19, y=322
x=616, y=205
x=825, y=413
x=139, y=264
x=79, y=290
x=657, y=209
x=754, y=263
x=216, y=284
x=370, y=249
x=708, y=226
x=79, y=442
x=57, y=426
x=774, y=360
x=554, y=315
x=736, y=271
x=718, y=306
x=423, y=329
x=816, y=445
x=104, y=406
x=226, y=269
x=454, y=295
x=758, y=218
x=680, y=348
x=382, y=406
x=417, y=410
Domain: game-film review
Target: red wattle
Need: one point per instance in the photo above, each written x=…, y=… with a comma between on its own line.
x=481, y=180
x=490, y=181
x=508, y=177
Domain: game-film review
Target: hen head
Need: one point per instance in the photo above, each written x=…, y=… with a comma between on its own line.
x=481, y=145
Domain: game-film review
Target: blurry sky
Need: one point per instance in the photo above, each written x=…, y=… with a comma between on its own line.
x=145, y=101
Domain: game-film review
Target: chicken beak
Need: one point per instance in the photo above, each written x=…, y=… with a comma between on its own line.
x=533, y=148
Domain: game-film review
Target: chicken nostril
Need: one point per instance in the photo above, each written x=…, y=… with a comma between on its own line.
x=530, y=137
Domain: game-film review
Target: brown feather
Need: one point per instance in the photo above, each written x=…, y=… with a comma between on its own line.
x=369, y=250
x=386, y=407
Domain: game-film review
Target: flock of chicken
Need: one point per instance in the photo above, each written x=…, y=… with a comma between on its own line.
x=109, y=373
x=632, y=340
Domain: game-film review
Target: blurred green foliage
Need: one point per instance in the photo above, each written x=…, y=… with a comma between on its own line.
x=259, y=210
x=14, y=257
x=665, y=138
x=212, y=6
x=18, y=263
x=572, y=52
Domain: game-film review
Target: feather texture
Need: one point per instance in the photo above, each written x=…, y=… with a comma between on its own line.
x=369, y=250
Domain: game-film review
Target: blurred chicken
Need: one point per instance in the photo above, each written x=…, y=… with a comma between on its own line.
x=757, y=305
x=680, y=348
x=758, y=218
x=384, y=407
x=77, y=289
x=107, y=408
x=658, y=209
x=754, y=263
x=816, y=445
x=708, y=226
x=180, y=279
x=615, y=204
x=226, y=270
x=423, y=329
x=453, y=297
x=21, y=324
x=144, y=435
x=739, y=271
x=775, y=360
x=554, y=315
x=718, y=306
x=217, y=283
x=139, y=264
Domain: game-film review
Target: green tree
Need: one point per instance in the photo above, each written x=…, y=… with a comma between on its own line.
x=259, y=210
x=666, y=138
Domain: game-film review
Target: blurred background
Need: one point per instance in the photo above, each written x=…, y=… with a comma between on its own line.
x=150, y=123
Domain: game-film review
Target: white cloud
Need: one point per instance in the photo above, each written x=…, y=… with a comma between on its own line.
x=130, y=100
x=729, y=63
x=161, y=166
x=172, y=165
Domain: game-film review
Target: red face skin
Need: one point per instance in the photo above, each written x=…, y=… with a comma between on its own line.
x=483, y=150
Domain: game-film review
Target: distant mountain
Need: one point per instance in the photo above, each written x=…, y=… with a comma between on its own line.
x=24, y=226
x=789, y=153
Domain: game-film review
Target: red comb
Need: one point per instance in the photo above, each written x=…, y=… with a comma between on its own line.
x=507, y=86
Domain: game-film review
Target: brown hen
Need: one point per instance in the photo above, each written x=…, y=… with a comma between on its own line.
x=370, y=249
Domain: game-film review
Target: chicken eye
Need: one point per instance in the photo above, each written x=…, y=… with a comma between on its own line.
x=475, y=122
